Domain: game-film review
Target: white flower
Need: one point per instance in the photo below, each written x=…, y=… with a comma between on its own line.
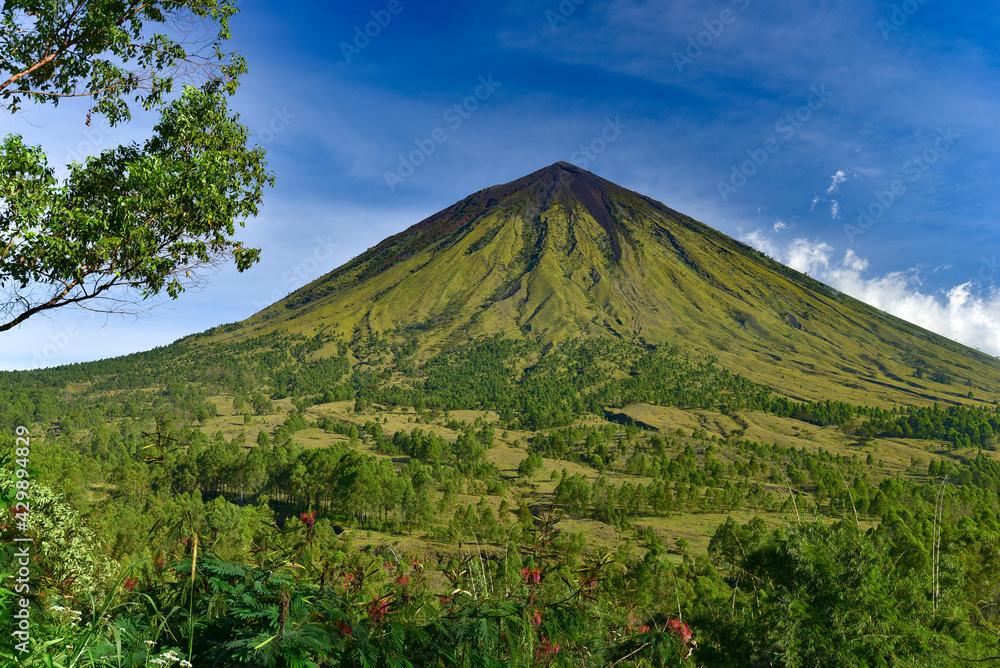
x=167, y=658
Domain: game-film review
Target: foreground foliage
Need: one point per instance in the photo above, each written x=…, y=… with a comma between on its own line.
x=809, y=595
x=171, y=541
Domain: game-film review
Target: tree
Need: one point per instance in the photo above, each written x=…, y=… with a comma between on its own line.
x=817, y=595
x=261, y=404
x=137, y=220
x=529, y=465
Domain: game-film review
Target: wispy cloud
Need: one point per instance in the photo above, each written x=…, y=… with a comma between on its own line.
x=836, y=180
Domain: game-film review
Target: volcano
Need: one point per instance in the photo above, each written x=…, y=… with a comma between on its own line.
x=562, y=254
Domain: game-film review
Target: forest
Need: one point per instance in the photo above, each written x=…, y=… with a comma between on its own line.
x=284, y=501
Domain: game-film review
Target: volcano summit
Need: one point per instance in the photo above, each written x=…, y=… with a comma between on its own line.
x=562, y=254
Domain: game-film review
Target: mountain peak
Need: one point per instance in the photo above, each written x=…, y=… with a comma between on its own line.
x=561, y=174
x=560, y=169
x=562, y=254
x=559, y=183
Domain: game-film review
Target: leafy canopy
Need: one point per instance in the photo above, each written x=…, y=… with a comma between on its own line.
x=103, y=49
x=136, y=220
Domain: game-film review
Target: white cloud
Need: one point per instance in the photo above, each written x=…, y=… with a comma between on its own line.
x=780, y=225
x=809, y=257
x=762, y=243
x=958, y=313
x=853, y=262
x=836, y=180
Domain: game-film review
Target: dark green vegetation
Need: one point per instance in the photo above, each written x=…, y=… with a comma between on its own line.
x=499, y=438
x=140, y=219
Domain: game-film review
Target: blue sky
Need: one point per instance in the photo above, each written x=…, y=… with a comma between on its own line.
x=777, y=123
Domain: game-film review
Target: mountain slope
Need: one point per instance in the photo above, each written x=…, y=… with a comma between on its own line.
x=562, y=254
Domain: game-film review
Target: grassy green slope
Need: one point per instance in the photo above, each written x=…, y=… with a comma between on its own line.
x=562, y=254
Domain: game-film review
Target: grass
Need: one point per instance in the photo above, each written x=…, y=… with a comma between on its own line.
x=896, y=454
x=893, y=457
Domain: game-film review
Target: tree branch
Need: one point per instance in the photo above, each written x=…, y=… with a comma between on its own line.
x=41, y=63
